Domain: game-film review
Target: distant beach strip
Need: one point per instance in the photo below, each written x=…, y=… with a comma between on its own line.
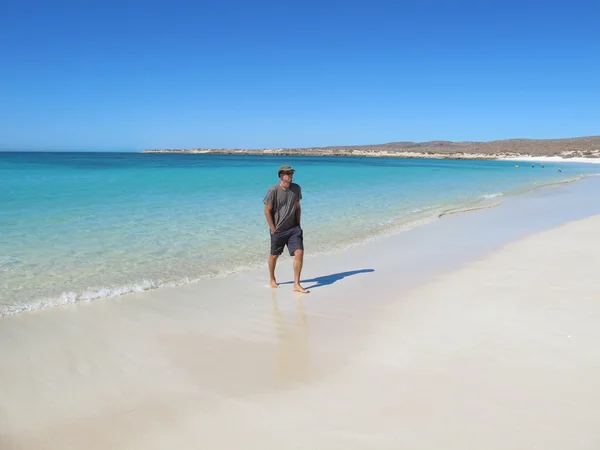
x=582, y=149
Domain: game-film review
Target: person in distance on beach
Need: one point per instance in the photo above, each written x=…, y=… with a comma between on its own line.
x=282, y=211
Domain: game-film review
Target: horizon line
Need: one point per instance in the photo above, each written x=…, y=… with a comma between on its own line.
x=55, y=150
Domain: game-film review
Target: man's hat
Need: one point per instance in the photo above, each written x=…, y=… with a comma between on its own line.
x=285, y=168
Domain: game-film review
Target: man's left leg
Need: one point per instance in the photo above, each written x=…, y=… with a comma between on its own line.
x=298, y=261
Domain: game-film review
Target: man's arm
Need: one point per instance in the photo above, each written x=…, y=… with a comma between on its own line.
x=269, y=217
x=298, y=212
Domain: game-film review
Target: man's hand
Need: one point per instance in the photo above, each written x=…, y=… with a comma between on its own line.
x=272, y=230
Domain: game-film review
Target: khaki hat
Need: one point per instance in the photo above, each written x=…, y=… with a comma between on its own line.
x=285, y=168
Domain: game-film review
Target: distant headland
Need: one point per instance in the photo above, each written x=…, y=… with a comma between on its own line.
x=581, y=147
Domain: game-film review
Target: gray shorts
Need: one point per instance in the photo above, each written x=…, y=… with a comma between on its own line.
x=293, y=238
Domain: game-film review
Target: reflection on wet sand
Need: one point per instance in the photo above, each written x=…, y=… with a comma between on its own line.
x=292, y=360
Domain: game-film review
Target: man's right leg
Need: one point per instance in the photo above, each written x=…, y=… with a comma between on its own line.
x=277, y=244
x=272, y=263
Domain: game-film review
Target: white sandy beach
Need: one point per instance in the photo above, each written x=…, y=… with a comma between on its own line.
x=477, y=331
x=555, y=159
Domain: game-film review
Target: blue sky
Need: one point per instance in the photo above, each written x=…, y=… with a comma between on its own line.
x=104, y=75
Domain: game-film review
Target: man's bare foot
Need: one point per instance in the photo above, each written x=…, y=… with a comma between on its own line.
x=298, y=288
x=274, y=284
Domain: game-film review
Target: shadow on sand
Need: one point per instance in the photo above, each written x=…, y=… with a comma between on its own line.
x=329, y=279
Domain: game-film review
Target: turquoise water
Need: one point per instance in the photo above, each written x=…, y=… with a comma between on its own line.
x=79, y=226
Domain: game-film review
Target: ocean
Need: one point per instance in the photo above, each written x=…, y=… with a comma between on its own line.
x=82, y=226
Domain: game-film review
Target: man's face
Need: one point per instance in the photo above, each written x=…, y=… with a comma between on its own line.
x=287, y=176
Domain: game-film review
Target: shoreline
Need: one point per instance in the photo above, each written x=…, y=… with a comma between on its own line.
x=480, y=321
x=386, y=154
x=146, y=285
x=557, y=159
x=586, y=149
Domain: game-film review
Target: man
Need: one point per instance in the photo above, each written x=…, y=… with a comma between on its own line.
x=282, y=211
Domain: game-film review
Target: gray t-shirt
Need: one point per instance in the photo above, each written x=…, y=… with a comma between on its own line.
x=284, y=202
